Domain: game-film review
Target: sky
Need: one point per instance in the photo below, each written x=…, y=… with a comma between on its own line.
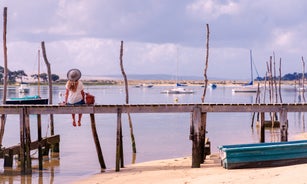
x=160, y=36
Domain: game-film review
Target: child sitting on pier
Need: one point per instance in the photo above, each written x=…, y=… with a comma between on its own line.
x=74, y=92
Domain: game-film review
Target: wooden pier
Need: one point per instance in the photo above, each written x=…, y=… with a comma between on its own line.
x=197, y=126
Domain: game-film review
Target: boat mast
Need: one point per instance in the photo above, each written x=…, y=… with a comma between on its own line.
x=251, y=60
x=38, y=73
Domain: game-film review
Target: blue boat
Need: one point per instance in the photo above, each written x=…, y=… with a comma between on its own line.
x=35, y=99
x=263, y=154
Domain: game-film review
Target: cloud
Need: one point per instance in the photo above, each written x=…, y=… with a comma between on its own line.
x=156, y=33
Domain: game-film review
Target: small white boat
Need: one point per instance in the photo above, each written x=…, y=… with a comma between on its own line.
x=24, y=88
x=178, y=91
x=144, y=85
x=246, y=89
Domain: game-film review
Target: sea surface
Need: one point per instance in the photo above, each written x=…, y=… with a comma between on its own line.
x=157, y=135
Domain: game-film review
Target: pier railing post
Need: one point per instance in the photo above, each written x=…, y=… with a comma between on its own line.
x=283, y=125
x=195, y=127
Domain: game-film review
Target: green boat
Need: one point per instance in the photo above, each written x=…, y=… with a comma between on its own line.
x=35, y=99
x=263, y=154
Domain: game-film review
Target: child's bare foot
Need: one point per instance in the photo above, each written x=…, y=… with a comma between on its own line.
x=74, y=123
x=79, y=123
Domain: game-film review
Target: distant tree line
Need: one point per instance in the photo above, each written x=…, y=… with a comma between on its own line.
x=286, y=77
x=13, y=76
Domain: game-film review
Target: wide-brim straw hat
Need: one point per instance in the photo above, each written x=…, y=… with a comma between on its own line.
x=73, y=74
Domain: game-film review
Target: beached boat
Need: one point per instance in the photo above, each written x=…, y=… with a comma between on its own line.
x=263, y=154
x=178, y=90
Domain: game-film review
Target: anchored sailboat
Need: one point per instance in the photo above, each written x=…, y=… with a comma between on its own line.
x=34, y=99
x=248, y=88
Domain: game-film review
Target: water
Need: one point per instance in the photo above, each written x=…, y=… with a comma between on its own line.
x=158, y=135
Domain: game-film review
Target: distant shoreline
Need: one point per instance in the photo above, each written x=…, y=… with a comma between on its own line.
x=163, y=82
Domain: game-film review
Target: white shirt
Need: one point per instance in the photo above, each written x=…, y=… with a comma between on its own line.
x=74, y=97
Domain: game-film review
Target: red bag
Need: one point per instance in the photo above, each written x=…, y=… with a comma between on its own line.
x=89, y=99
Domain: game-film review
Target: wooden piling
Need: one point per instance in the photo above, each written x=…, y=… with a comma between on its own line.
x=119, y=142
x=283, y=125
x=262, y=127
x=196, y=153
x=97, y=143
x=28, y=144
x=22, y=142
x=202, y=136
x=39, y=139
x=8, y=158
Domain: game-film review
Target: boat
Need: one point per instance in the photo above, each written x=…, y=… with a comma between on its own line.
x=144, y=85
x=27, y=100
x=247, y=88
x=35, y=99
x=180, y=84
x=263, y=154
x=24, y=88
x=178, y=90
x=212, y=85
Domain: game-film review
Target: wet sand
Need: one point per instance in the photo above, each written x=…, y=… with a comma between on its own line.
x=179, y=171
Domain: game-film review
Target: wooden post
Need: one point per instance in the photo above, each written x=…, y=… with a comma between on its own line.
x=22, y=142
x=262, y=128
x=196, y=121
x=5, y=75
x=283, y=125
x=8, y=158
x=28, y=143
x=55, y=147
x=119, y=142
x=97, y=143
x=39, y=139
x=202, y=137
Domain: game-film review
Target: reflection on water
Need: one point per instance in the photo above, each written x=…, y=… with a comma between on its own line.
x=12, y=175
x=158, y=136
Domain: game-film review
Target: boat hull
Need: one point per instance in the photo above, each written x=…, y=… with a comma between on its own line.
x=263, y=154
x=27, y=100
x=33, y=101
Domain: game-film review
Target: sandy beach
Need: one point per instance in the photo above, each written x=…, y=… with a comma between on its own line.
x=179, y=171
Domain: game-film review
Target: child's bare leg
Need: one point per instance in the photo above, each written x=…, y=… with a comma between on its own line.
x=73, y=120
x=79, y=120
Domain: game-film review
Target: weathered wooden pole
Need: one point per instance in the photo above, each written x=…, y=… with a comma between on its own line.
x=8, y=161
x=202, y=137
x=196, y=125
x=97, y=143
x=206, y=65
x=25, y=142
x=119, y=142
x=56, y=147
x=39, y=138
x=127, y=95
x=283, y=125
x=262, y=127
x=28, y=143
x=22, y=141
x=5, y=74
